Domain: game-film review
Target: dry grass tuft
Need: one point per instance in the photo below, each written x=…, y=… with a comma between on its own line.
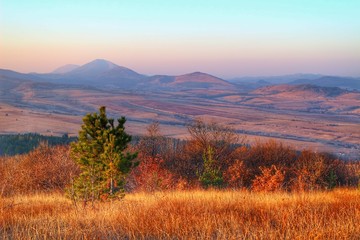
x=186, y=214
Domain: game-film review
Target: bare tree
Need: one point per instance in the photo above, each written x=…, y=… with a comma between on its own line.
x=152, y=142
x=222, y=139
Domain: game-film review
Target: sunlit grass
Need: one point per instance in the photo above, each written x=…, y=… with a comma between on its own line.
x=186, y=215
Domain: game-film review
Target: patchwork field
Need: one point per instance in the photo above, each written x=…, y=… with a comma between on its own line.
x=303, y=118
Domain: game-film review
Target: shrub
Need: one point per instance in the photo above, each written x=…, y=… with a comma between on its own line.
x=271, y=179
x=237, y=175
x=223, y=141
x=150, y=175
x=45, y=169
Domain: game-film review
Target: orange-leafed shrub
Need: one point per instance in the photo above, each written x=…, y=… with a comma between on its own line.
x=237, y=175
x=150, y=175
x=271, y=179
x=311, y=171
x=271, y=153
x=42, y=170
x=316, y=171
x=253, y=160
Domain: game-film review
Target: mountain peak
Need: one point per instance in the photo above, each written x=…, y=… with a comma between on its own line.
x=200, y=77
x=95, y=67
x=197, y=73
x=101, y=64
x=102, y=72
x=199, y=80
x=101, y=61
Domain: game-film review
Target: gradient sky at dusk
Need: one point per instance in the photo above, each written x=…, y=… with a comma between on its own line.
x=225, y=38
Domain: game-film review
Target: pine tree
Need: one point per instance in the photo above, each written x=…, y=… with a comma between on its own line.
x=211, y=175
x=100, y=154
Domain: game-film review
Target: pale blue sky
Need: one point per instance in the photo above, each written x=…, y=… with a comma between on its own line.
x=225, y=38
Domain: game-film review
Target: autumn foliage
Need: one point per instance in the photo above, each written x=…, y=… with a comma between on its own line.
x=170, y=164
x=264, y=166
x=247, y=192
x=45, y=169
x=150, y=176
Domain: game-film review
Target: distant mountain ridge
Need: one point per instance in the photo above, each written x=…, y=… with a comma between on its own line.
x=331, y=81
x=104, y=74
x=65, y=69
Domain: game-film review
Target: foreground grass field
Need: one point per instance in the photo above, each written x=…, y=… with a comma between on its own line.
x=186, y=215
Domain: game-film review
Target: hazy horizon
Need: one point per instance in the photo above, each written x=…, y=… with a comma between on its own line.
x=169, y=74
x=226, y=39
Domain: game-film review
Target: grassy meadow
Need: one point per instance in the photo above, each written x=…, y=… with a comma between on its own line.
x=203, y=188
x=192, y=214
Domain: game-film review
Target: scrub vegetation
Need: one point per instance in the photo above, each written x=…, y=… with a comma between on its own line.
x=211, y=186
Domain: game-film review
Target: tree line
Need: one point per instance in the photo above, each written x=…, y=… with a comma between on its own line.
x=11, y=144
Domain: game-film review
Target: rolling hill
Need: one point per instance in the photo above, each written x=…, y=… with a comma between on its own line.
x=331, y=81
x=307, y=98
x=302, y=90
x=196, y=80
x=299, y=79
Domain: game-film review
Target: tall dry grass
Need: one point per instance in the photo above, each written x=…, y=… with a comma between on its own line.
x=186, y=215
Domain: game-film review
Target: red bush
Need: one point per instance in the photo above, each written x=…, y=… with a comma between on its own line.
x=150, y=175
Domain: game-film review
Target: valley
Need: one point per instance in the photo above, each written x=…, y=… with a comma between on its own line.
x=303, y=116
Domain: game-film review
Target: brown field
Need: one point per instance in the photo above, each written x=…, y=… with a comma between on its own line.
x=302, y=119
x=186, y=215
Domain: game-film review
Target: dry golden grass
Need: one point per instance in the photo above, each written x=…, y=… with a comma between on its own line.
x=186, y=215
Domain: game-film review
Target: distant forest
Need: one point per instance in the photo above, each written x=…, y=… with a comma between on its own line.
x=11, y=145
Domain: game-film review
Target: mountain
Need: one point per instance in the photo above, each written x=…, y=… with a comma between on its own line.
x=331, y=81
x=195, y=80
x=107, y=75
x=199, y=80
x=98, y=73
x=100, y=67
x=104, y=74
x=65, y=69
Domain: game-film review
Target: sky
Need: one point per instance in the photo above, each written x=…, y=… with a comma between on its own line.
x=226, y=38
